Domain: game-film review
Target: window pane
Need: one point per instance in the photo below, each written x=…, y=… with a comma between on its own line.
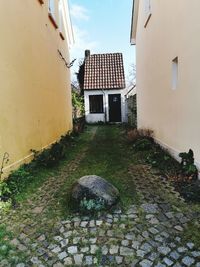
x=96, y=103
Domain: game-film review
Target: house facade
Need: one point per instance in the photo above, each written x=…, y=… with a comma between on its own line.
x=104, y=85
x=168, y=86
x=35, y=93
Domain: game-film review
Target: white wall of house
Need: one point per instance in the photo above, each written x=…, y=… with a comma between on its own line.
x=103, y=117
x=168, y=82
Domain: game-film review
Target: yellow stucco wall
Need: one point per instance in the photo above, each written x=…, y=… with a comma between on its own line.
x=35, y=94
x=172, y=31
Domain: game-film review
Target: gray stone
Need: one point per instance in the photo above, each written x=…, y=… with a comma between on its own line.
x=164, y=250
x=125, y=243
x=68, y=261
x=168, y=262
x=93, y=249
x=182, y=249
x=124, y=251
x=146, y=247
x=195, y=254
x=145, y=263
x=62, y=255
x=72, y=249
x=20, y=265
x=78, y=259
x=95, y=187
x=114, y=249
x=84, y=249
x=56, y=250
x=141, y=253
x=175, y=255
x=188, y=261
x=104, y=250
x=88, y=260
x=150, y=208
x=190, y=245
x=119, y=259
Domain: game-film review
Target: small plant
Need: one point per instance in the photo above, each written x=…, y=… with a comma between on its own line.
x=92, y=204
x=5, y=160
x=49, y=157
x=135, y=134
x=187, y=165
x=142, y=144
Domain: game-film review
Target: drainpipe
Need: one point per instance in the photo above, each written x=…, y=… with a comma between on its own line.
x=105, y=105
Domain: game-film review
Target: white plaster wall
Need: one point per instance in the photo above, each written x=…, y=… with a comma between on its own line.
x=104, y=117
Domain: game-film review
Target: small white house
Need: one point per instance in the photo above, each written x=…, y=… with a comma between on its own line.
x=104, y=84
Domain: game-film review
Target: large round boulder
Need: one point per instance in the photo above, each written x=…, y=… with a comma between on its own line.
x=95, y=187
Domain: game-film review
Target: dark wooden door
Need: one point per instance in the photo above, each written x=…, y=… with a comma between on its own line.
x=114, y=108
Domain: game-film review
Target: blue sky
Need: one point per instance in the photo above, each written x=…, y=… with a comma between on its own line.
x=103, y=26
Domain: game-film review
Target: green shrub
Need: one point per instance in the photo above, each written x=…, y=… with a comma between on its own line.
x=92, y=205
x=187, y=165
x=142, y=144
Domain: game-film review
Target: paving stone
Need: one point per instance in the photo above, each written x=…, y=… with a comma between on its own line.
x=168, y=262
x=84, y=224
x=125, y=243
x=182, y=249
x=119, y=259
x=62, y=255
x=175, y=255
x=78, y=259
x=135, y=244
x=130, y=236
x=93, y=249
x=85, y=249
x=64, y=243
x=76, y=240
x=188, y=261
x=190, y=245
x=89, y=260
x=99, y=222
x=164, y=250
x=68, y=261
x=150, y=208
x=93, y=240
x=160, y=265
x=141, y=253
x=153, y=230
x=146, y=247
x=72, y=249
x=104, y=250
x=178, y=228
x=41, y=237
x=145, y=263
x=20, y=265
x=153, y=256
x=56, y=250
x=113, y=249
x=195, y=254
x=124, y=251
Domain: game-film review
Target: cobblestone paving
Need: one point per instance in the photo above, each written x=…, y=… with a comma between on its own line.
x=149, y=234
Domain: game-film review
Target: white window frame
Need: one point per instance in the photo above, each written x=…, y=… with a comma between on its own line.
x=175, y=67
x=148, y=11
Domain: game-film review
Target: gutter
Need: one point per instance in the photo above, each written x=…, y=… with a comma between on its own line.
x=134, y=21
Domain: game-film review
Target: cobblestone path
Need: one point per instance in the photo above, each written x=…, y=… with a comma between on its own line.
x=147, y=234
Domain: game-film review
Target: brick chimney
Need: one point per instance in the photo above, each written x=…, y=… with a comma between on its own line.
x=87, y=53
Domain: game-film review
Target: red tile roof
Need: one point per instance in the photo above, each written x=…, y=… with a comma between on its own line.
x=104, y=71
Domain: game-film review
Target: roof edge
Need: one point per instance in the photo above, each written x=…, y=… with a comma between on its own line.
x=134, y=21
